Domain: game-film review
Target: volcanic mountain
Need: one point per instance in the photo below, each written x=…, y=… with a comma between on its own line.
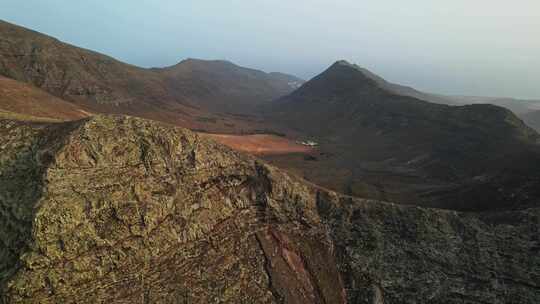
x=375, y=143
x=192, y=93
x=115, y=209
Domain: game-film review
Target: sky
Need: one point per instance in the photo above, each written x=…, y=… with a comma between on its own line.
x=458, y=47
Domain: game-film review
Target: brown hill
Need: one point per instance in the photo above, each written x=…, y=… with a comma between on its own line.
x=225, y=87
x=378, y=144
x=190, y=94
x=124, y=210
x=24, y=101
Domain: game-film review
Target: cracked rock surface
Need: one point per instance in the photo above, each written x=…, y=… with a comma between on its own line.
x=115, y=209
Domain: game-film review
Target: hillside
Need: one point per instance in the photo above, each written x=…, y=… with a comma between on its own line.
x=533, y=120
x=191, y=94
x=27, y=102
x=519, y=106
x=378, y=144
x=120, y=209
x=225, y=87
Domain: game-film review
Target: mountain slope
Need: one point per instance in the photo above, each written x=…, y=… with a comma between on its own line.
x=119, y=209
x=519, y=106
x=387, y=143
x=402, y=90
x=533, y=120
x=189, y=94
x=226, y=87
x=25, y=101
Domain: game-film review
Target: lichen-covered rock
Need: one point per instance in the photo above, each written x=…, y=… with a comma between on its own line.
x=118, y=209
x=114, y=209
x=406, y=254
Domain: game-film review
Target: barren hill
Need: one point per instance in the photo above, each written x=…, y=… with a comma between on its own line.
x=192, y=94
x=379, y=144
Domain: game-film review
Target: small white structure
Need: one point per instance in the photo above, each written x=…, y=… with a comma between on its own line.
x=308, y=143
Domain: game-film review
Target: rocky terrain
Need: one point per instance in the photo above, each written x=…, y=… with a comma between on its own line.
x=124, y=210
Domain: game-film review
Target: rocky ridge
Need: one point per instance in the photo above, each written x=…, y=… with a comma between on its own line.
x=125, y=210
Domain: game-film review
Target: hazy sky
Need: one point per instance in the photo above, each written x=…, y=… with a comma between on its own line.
x=473, y=47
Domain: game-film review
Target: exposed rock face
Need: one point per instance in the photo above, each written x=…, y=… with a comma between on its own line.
x=415, y=255
x=123, y=210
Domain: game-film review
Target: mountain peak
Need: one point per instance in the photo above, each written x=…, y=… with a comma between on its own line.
x=344, y=63
x=341, y=76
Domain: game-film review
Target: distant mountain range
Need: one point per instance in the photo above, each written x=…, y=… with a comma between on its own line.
x=183, y=94
x=520, y=107
x=533, y=119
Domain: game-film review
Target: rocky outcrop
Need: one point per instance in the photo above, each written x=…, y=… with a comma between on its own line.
x=123, y=210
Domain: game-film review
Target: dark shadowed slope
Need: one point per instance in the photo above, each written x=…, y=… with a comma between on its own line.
x=189, y=94
x=24, y=101
x=406, y=90
x=379, y=144
x=123, y=210
x=533, y=120
x=519, y=106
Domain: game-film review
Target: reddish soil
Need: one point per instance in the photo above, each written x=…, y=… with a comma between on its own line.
x=33, y=103
x=260, y=144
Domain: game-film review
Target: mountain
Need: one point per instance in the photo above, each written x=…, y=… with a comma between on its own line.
x=519, y=106
x=226, y=87
x=191, y=94
x=533, y=120
x=121, y=209
x=402, y=90
x=23, y=101
x=375, y=143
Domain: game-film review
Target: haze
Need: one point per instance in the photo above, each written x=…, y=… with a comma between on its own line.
x=481, y=47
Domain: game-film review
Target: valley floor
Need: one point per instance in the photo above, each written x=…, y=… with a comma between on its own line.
x=260, y=144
